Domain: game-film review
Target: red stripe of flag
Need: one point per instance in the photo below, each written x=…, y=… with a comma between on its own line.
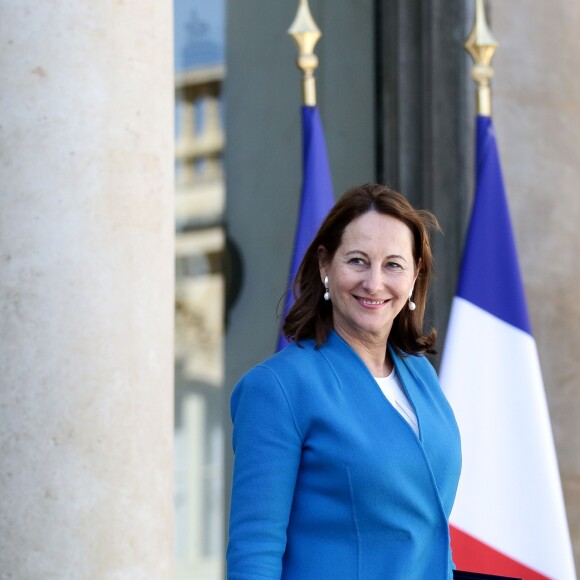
x=475, y=556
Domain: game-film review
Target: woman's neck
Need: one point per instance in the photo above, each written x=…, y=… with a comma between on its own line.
x=372, y=350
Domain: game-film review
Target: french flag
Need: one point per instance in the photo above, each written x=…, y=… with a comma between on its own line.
x=509, y=516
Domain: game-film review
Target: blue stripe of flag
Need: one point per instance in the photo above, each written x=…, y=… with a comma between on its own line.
x=490, y=275
x=316, y=197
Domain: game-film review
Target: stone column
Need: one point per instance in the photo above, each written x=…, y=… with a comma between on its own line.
x=86, y=289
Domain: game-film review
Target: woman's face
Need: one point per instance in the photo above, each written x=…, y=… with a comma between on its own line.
x=370, y=276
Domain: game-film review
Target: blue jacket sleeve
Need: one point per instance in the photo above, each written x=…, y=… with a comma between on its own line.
x=267, y=447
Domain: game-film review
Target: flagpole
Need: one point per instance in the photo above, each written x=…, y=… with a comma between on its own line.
x=481, y=45
x=306, y=34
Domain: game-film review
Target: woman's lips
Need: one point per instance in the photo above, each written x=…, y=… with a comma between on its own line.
x=370, y=302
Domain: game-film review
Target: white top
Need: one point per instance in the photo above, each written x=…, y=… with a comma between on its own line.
x=393, y=390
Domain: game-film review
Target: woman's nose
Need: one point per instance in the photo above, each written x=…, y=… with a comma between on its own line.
x=373, y=280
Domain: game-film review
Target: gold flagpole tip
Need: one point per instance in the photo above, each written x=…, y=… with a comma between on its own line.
x=306, y=34
x=481, y=45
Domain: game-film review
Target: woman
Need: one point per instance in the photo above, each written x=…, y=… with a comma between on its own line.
x=347, y=454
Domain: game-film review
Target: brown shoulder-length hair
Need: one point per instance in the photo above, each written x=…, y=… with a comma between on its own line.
x=311, y=315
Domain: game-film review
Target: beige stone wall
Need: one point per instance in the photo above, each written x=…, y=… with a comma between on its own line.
x=536, y=96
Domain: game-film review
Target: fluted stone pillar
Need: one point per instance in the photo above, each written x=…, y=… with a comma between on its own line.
x=86, y=289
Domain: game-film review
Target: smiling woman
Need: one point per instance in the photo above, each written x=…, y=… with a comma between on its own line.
x=397, y=225
x=345, y=447
x=370, y=278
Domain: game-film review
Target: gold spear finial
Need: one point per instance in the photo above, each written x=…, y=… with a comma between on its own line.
x=481, y=45
x=306, y=34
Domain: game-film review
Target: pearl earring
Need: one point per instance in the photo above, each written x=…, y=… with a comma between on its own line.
x=326, y=292
x=412, y=305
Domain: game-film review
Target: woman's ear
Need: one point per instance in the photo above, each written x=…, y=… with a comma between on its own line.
x=418, y=270
x=322, y=261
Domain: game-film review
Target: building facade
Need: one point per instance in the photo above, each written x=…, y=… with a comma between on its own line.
x=90, y=205
x=398, y=105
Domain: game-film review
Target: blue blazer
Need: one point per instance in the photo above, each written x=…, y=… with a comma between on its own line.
x=330, y=482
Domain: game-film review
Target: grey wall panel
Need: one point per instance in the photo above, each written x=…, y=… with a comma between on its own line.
x=263, y=156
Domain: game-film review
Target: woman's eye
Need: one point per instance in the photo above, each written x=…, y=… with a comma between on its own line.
x=394, y=266
x=357, y=261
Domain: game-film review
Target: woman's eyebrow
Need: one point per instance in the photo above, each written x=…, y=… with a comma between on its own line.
x=389, y=257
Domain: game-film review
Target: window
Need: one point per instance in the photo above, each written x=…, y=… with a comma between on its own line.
x=199, y=301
